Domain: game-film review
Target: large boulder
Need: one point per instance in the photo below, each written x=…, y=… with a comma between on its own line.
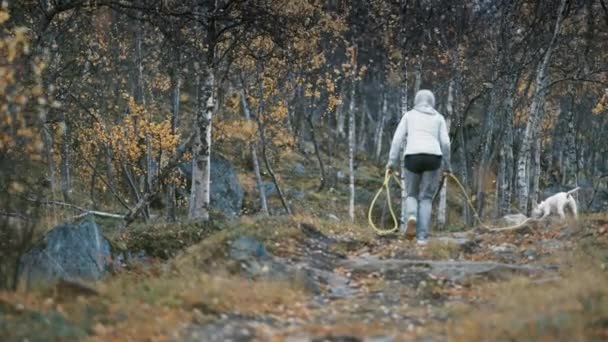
x=226, y=191
x=69, y=251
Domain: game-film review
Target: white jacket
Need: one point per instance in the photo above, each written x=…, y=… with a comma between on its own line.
x=425, y=130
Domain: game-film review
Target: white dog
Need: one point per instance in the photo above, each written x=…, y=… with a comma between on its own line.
x=556, y=203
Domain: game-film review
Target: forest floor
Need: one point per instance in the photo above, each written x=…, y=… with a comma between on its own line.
x=318, y=277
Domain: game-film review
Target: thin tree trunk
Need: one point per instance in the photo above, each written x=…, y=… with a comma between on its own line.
x=535, y=118
x=417, y=76
x=201, y=152
x=505, y=170
x=254, y=157
x=66, y=157
x=363, y=123
x=175, y=97
x=535, y=168
x=403, y=21
x=317, y=153
x=201, y=160
x=351, y=136
x=49, y=151
x=442, y=207
x=486, y=148
x=401, y=157
x=340, y=117
x=570, y=164
x=380, y=127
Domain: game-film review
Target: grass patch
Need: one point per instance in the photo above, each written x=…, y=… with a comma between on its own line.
x=437, y=249
x=572, y=308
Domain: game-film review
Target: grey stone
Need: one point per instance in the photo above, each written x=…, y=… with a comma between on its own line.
x=463, y=243
x=70, y=252
x=504, y=248
x=257, y=262
x=299, y=169
x=226, y=191
x=513, y=219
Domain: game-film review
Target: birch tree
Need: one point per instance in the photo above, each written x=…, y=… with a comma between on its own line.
x=201, y=152
x=535, y=116
x=441, y=209
x=352, y=142
x=254, y=158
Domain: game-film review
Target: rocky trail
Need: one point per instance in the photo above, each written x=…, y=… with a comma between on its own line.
x=387, y=289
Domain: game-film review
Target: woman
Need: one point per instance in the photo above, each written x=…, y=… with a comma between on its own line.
x=427, y=147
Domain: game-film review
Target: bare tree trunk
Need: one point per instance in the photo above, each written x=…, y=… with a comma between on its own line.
x=535, y=118
x=66, y=161
x=351, y=136
x=486, y=148
x=254, y=157
x=176, y=81
x=403, y=21
x=570, y=163
x=442, y=207
x=505, y=170
x=363, y=126
x=201, y=156
x=459, y=116
x=417, y=76
x=535, y=168
x=317, y=153
x=201, y=152
x=340, y=117
x=49, y=151
x=401, y=159
x=380, y=127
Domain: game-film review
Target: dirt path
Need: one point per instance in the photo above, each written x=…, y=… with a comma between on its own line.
x=390, y=290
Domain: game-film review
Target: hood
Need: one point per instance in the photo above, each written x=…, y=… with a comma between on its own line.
x=425, y=102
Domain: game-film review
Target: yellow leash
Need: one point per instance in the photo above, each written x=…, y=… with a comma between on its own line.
x=386, y=186
x=481, y=224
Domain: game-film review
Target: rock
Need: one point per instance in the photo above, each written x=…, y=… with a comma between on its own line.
x=257, y=262
x=226, y=191
x=454, y=271
x=298, y=195
x=363, y=196
x=530, y=254
x=552, y=244
x=70, y=251
x=299, y=169
x=506, y=252
x=247, y=247
x=504, y=248
x=513, y=219
x=464, y=244
x=269, y=188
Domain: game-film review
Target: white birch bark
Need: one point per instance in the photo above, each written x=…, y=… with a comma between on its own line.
x=255, y=160
x=340, y=114
x=201, y=154
x=351, y=137
x=534, y=118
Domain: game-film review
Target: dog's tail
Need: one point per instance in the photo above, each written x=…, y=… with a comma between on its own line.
x=573, y=191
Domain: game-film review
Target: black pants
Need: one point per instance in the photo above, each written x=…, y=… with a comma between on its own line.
x=419, y=163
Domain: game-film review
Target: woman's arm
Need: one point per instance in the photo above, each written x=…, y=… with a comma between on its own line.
x=398, y=138
x=444, y=142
